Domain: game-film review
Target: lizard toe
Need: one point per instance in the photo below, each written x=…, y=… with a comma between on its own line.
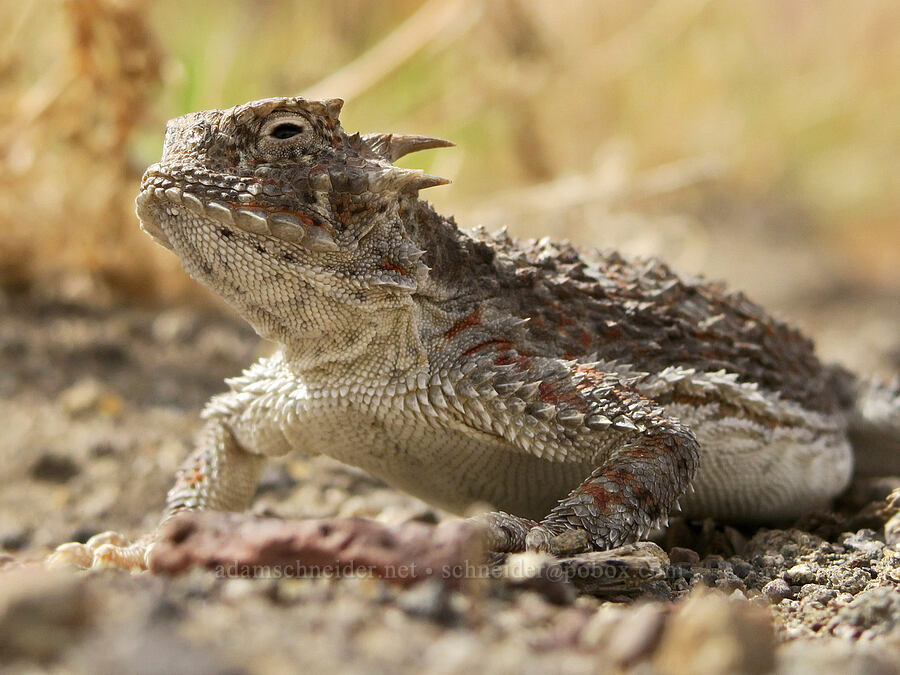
x=107, y=550
x=108, y=537
x=133, y=558
x=503, y=532
x=72, y=554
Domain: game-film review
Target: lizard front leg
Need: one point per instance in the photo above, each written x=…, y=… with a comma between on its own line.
x=221, y=473
x=573, y=412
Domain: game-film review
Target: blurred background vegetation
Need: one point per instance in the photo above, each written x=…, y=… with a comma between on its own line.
x=755, y=141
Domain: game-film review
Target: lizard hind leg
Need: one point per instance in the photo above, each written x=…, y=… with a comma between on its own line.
x=622, y=500
x=584, y=414
x=629, y=494
x=218, y=475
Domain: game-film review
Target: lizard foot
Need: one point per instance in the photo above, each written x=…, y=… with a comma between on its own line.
x=103, y=551
x=568, y=542
x=504, y=532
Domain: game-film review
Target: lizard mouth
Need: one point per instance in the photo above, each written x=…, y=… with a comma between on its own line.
x=163, y=198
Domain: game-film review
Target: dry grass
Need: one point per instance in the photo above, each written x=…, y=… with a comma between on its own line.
x=775, y=102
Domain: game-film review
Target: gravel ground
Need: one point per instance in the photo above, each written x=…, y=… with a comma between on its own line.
x=99, y=405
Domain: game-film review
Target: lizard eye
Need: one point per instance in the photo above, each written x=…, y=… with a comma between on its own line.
x=285, y=130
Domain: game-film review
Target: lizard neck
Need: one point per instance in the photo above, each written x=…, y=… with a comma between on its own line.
x=383, y=348
x=414, y=335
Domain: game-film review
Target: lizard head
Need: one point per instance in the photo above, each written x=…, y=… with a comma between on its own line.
x=293, y=221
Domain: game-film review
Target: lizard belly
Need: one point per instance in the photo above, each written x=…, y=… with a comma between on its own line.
x=751, y=473
x=447, y=467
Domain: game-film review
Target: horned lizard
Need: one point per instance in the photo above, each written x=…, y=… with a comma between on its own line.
x=567, y=389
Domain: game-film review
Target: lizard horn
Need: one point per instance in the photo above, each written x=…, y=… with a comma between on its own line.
x=333, y=107
x=400, y=180
x=394, y=146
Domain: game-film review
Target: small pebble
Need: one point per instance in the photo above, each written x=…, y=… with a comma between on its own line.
x=865, y=542
x=800, y=574
x=821, y=594
x=742, y=569
x=679, y=554
x=777, y=590
x=51, y=467
x=728, y=583
x=16, y=539
x=637, y=634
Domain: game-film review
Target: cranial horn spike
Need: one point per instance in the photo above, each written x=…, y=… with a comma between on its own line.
x=333, y=107
x=398, y=179
x=394, y=146
x=416, y=179
x=426, y=180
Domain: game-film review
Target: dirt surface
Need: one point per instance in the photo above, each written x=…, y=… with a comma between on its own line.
x=100, y=403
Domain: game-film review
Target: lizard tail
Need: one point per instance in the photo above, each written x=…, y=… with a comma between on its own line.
x=874, y=427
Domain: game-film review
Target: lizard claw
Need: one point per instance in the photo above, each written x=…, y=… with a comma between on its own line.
x=539, y=538
x=103, y=551
x=72, y=554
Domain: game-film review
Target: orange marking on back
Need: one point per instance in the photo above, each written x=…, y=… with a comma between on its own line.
x=613, y=332
x=477, y=348
x=593, y=377
x=549, y=393
x=389, y=266
x=465, y=323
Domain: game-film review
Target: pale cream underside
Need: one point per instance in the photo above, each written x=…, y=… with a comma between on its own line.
x=748, y=471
